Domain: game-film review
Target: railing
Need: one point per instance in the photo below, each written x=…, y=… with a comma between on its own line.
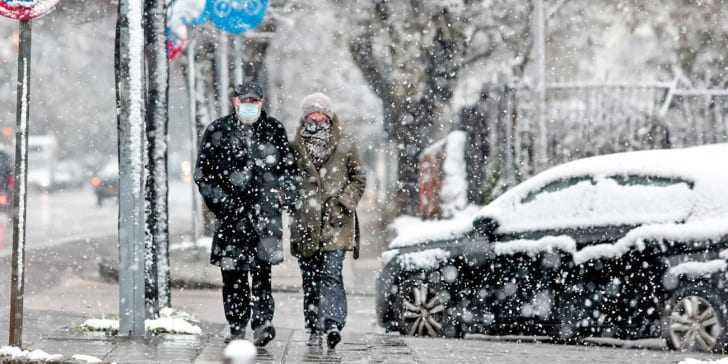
x=586, y=119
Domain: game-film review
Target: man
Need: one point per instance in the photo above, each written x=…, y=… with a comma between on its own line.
x=244, y=168
x=324, y=225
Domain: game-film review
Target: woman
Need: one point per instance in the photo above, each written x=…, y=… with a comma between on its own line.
x=324, y=224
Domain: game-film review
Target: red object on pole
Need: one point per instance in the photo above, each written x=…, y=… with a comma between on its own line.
x=26, y=9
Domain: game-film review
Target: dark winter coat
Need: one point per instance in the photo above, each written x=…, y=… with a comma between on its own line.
x=325, y=218
x=242, y=173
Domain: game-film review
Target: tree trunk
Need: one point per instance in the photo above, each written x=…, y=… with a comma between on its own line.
x=157, y=218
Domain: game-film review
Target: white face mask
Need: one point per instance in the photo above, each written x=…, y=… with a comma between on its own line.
x=248, y=113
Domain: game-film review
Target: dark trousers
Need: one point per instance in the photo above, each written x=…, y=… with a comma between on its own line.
x=324, y=297
x=239, y=297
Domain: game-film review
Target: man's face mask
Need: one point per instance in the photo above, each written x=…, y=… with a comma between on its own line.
x=249, y=111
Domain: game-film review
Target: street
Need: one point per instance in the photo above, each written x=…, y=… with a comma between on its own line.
x=68, y=233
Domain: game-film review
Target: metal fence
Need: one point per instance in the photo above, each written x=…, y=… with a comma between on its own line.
x=584, y=119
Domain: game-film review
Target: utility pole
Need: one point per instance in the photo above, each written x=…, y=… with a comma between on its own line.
x=129, y=60
x=540, y=54
x=193, y=139
x=21, y=192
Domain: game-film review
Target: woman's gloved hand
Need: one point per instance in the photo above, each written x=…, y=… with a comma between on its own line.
x=337, y=213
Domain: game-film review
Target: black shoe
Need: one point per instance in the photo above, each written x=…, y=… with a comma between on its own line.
x=235, y=335
x=315, y=340
x=263, y=335
x=333, y=337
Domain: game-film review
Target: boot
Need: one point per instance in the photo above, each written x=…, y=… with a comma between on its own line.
x=314, y=339
x=264, y=334
x=333, y=337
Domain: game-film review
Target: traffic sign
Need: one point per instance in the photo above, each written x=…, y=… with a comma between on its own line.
x=236, y=16
x=26, y=9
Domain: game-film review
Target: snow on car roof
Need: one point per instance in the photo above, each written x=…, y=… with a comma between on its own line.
x=699, y=166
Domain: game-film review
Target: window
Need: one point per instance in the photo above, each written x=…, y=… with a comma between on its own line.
x=641, y=180
x=556, y=186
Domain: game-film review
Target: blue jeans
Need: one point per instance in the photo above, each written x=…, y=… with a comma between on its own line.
x=324, y=297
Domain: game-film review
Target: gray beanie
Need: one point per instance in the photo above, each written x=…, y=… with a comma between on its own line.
x=317, y=102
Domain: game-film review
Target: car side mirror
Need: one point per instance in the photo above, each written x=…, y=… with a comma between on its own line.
x=486, y=226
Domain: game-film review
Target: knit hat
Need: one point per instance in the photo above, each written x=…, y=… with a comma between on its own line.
x=248, y=89
x=317, y=102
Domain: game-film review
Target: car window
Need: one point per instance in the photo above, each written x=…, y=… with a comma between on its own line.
x=555, y=186
x=655, y=181
x=642, y=199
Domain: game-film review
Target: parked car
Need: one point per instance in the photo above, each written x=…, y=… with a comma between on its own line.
x=625, y=245
x=106, y=182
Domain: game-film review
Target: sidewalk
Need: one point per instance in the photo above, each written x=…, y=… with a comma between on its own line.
x=56, y=334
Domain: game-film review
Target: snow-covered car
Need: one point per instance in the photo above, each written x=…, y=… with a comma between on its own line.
x=625, y=245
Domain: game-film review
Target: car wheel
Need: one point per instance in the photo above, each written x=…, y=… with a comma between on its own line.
x=423, y=309
x=694, y=320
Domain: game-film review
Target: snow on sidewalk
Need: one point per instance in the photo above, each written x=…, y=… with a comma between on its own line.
x=170, y=321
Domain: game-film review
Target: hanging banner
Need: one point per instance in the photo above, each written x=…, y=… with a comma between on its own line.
x=182, y=14
x=26, y=9
x=236, y=16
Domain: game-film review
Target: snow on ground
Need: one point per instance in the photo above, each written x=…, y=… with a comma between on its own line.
x=170, y=321
x=696, y=361
x=13, y=352
x=204, y=242
x=86, y=358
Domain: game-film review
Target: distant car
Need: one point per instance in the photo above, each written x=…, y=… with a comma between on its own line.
x=106, y=182
x=67, y=174
x=42, y=152
x=626, y=245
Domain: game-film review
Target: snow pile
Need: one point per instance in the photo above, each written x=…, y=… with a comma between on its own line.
x=698, y=269
x=204, y=242
x=413, y=230
x=170, y=321
x=86, y=358
x=13, y=352
x=454, y=193
x=426, y=259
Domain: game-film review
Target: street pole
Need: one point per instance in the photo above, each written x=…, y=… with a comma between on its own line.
x=20, y=191
x=193, y=139
x=223, y=82
x=130, y=99
x=540, y=44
